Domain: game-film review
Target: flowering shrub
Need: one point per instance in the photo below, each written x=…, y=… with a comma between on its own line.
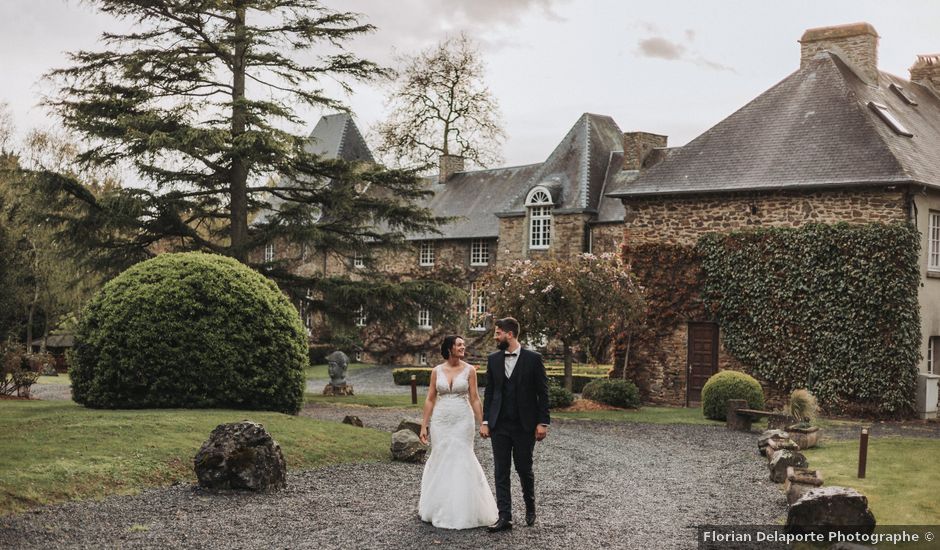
x=586, y=302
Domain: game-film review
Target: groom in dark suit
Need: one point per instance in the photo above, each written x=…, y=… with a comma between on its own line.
x=515, y=416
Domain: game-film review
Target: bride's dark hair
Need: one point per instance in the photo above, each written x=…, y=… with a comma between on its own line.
x=448, y=343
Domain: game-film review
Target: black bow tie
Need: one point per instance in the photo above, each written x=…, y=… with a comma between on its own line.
x=511, y=354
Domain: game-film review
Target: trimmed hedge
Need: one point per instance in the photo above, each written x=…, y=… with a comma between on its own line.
x=613, y=392
x=558, y=396
x=190, y=330
x=729, y=384
x=402, y=377
x=830, y=308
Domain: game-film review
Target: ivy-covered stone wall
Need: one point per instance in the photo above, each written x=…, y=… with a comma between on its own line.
x=832, y=308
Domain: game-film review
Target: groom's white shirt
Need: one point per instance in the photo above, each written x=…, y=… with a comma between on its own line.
x=510, y=360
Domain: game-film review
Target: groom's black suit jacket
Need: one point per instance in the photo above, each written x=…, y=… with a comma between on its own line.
x=531, y=385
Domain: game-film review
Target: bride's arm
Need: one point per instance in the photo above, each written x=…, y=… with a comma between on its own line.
x=429, y=406
x=475, y=396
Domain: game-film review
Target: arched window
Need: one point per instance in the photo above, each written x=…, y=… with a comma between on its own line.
x=539, y=203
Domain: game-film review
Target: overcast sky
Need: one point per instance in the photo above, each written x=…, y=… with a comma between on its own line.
x=673, y=67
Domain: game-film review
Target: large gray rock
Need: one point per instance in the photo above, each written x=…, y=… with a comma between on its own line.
x=783, y=459
x=352, y=420
x=242, y=455
x=827, y=509
x=406, y=447
x=410, y=425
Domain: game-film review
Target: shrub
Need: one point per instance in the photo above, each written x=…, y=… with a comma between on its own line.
x=802, y=406
x=318, y=352
x=729, y=384
x=616, y=393
x=558, y=396
x=402, y=377
x=16, y=376
x=190, y=330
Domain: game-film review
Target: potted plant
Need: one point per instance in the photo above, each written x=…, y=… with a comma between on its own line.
x=803, y=408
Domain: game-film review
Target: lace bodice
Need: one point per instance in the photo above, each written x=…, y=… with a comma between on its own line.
x=460, y=384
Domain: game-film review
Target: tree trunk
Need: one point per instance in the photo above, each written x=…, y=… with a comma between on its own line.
x=626, y=357
x=45, y=335
x=569, y=371
x=238, y=177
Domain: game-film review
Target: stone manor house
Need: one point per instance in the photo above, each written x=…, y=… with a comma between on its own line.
x=837, y=140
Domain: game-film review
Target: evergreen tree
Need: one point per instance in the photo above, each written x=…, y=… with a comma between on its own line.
x=199, y=100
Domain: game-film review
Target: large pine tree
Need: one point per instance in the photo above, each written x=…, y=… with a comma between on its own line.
x=199, y=99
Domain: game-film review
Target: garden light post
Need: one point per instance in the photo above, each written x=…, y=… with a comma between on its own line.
x=414, y=390
x=862, y=453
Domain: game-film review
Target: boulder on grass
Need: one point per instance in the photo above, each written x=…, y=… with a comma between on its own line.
x=409, y=425
x=241, y=455
x=826, y=509
x=352, y=420
x=781, y=460
x=406, y=447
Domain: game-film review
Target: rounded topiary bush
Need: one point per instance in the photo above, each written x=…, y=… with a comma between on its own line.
x=558, y=396
x=729, y=384
x=190, y=330
x=613, y=392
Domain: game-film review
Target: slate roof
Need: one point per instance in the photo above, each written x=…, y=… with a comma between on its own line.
x=813, y=129
x=334, y=136
x=575, y=173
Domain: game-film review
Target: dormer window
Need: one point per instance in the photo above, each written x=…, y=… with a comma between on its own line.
x=539, y=204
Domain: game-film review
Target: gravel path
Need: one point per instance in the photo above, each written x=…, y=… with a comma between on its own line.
x=366, y=381
x=598, y=484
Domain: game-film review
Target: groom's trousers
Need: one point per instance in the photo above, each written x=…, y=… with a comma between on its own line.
x=513, y=444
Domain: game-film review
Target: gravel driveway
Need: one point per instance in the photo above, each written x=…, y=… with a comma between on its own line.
x=366, y=381
x=598, y=485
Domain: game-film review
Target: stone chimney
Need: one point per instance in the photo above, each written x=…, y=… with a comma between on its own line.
x=449, y=165
x=856, y=44
x=637, y=147
x=926, y=72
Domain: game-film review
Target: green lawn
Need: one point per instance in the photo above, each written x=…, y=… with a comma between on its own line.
x=61, y=380
x=56, y=450
x=321, y=372
x=902, y=478
x=369, y=400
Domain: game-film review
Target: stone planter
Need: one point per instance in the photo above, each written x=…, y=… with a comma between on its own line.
x=806, y=438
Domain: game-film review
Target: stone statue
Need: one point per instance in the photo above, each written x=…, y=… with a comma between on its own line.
x=338, y=363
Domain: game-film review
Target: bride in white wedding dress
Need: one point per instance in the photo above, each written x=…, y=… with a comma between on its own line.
x=454, y=490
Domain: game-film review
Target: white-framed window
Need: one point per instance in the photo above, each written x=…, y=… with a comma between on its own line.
x=539, y=203
x=269, y=252
x=931, y=350
x=426, y=256
x=424, y=318
x=477, y=307
x=479, y=252
x=422, y=358
x=358, y=260
x=361, y=316
x=933, y=242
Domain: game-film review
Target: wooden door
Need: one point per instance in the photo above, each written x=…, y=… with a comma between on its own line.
x=703, y=358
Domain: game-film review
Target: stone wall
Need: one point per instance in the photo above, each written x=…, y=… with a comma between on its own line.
x=683, y=220
x=569, y=233
x=606, y=238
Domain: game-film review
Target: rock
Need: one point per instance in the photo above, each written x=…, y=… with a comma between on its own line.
x=353, y=420
x=765, y=438
x=241, y=455
x=799, y=482
x=406, y=447
x=775, y=445
x=781, y=460
x=827, y=509
x=345, y=389
x=409, y=425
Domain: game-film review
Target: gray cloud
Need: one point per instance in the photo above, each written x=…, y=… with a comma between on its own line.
x=661, y=48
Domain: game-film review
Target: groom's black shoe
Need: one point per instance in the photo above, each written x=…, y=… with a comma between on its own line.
x=530, y=517
x=502, y=524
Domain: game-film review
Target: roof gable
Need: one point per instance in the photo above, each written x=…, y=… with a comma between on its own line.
x=337, y=137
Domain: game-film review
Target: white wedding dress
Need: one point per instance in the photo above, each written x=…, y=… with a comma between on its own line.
x=454, y=490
